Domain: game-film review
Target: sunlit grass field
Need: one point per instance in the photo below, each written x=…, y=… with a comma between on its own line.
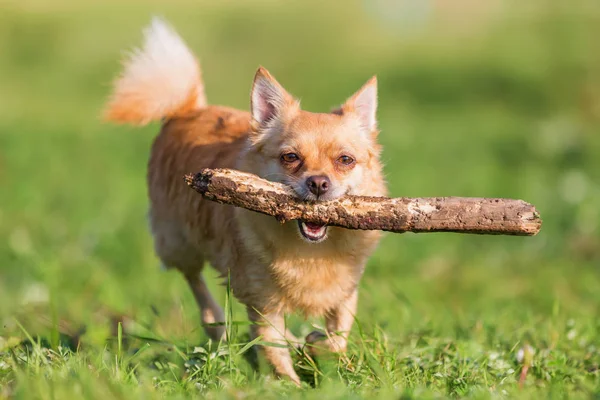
x=486, y=99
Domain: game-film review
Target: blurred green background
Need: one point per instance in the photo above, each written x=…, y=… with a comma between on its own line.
x=477, y=98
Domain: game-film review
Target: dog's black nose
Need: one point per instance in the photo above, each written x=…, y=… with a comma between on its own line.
x=318, y=185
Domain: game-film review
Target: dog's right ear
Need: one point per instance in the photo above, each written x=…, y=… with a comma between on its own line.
x=363, y=104
x=269, y=100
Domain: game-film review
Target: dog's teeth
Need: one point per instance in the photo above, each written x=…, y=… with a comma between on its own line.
x=311, y=234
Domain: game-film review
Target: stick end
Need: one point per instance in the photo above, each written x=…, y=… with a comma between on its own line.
x=532, y=222
x=199, y=181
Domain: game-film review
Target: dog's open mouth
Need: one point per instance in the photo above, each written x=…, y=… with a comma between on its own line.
x=312, y=232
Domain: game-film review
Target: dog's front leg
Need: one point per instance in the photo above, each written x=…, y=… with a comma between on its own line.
x=271, y=327
x=339, y=323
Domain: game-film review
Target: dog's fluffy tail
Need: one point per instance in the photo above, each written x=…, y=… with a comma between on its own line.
x=160, y=80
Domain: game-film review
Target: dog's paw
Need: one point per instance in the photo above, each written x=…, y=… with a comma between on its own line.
x=319, y=344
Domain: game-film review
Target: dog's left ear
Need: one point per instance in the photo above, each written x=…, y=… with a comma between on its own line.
x=363, y=104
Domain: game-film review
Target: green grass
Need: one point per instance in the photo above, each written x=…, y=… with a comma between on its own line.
x=473, y=106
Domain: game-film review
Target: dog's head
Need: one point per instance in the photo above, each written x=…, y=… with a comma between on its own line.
x=322, y=156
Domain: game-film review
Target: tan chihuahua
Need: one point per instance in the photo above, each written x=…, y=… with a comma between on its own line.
x=274, y=268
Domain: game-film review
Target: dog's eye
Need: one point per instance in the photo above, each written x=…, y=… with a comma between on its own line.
x=346, y=160
x=290, y=157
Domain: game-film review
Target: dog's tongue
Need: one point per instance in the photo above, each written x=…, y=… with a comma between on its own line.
x=313, y=227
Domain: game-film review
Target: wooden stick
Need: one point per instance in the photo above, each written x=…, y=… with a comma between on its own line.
x=434, y=214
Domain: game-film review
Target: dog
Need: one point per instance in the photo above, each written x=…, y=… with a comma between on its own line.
x=273, y=268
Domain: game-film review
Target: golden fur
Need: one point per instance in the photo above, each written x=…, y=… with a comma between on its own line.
x=273, y=269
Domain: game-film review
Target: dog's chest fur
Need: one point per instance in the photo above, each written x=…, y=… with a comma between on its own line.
x=298, y=276
x=315, y=286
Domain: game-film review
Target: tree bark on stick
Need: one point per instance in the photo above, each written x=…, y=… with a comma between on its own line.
x=432, y=214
